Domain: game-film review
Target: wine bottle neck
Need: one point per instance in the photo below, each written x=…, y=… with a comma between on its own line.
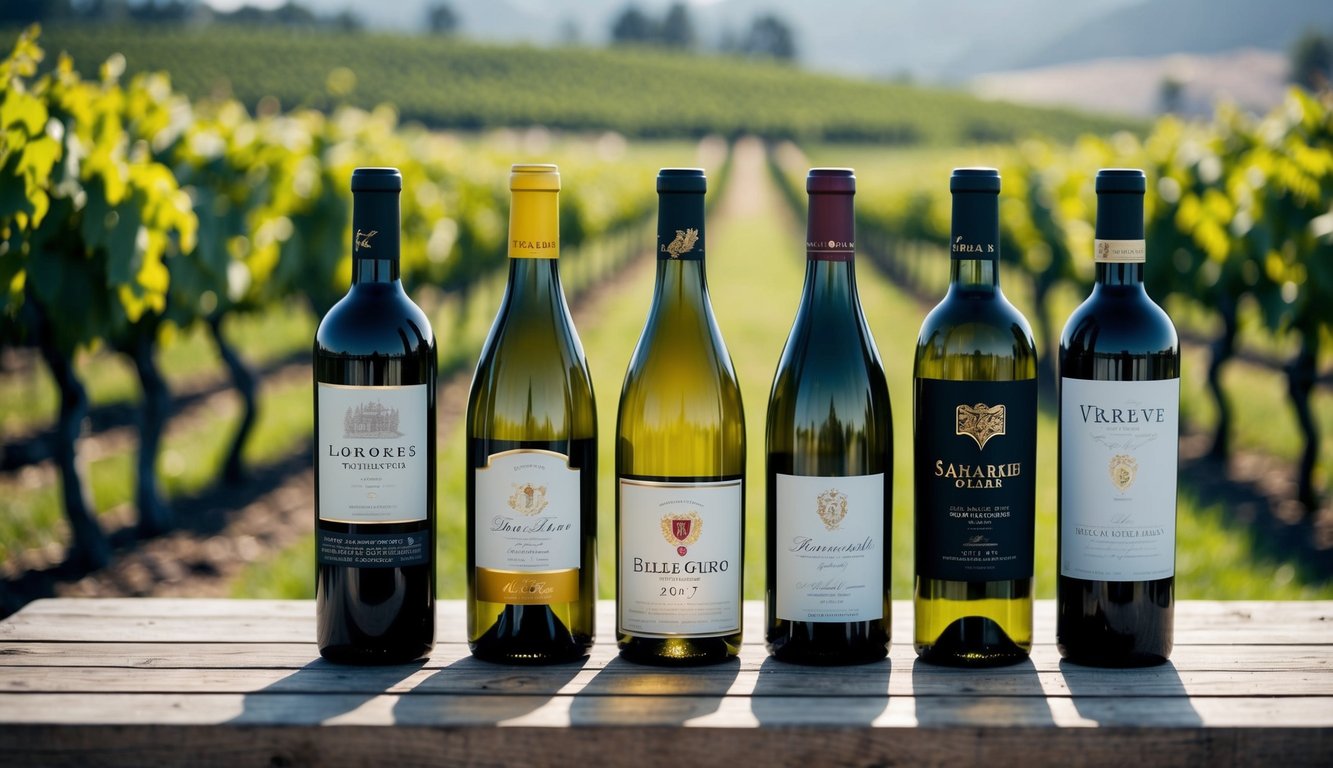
x=1128, y=274
x=830, y=233
x=830, y=286
x=534, y=285
x=534, y=224
x=680, y=227
x=974, y=241
x=375, y=237
x=1119, y=248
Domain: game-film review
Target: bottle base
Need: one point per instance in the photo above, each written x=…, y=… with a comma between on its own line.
x=530, y=656
x=972, y=641
x=1113, y=661
x=679, y=652
x=375, y=657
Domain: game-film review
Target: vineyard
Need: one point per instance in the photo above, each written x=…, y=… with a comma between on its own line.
x=449, y=83
x=166, y=245
x=1239, y=228
x=132, y=216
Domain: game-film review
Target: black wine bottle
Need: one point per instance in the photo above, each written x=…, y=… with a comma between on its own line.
x=1119, y=441
x=375, y=371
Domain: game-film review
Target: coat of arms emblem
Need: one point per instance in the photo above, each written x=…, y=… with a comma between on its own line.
x=979, y=422
x=682, y=530
x=832, y=508
x=528, y=499
x=1123, y=469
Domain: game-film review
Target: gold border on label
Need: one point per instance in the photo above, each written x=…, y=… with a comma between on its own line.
x=539, y=451
x=1119, y=251
x=674, y=636
x=492, y=584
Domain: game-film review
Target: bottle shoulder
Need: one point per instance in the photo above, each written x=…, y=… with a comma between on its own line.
x=967, y=325
x=1119, y=321
x=374, y=319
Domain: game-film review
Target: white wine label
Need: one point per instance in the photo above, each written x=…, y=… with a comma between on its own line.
x=527, y=515
x=1119, y=251
x=830, y=548
x=1119, y=442
x=372, y=453
x=680, y=558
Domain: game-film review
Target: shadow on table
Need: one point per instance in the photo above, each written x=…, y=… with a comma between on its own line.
x=475, y=692
x=1116, y=696
x=792, y=694
x=956, y=696
x=320, y=691
x=625, y=693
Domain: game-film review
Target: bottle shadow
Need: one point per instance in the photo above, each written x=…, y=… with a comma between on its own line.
x=625, y=693
x=1124, y=696
x=321, y=691
x=470, y=691
x=792, y=694
x=958, y=696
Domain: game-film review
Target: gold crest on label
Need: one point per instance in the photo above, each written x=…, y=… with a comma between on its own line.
x=684, y=242
x=1123, y=469
x=832, y=508
x=979, y=422
x=682, y=529
x=528, y=499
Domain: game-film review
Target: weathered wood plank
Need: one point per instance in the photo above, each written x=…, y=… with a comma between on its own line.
x=293, y=656
x=621, y=678
x=739, y=712
x=799, y=746
x=270, y=621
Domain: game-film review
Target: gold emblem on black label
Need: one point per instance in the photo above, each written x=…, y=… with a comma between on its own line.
x=1123, y=468
x=979, y=422
x=832, y=508
x=683, y=243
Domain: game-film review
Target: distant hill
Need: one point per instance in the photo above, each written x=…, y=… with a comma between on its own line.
x=1162, y=27
x=934, y=40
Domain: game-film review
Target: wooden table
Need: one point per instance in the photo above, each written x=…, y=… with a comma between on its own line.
x=222, y=682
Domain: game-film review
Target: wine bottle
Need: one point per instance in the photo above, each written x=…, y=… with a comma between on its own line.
x=830, y=457
x=680, y=459
x=374, y=370
x=1119, y=439
x=532, y=454
x=975, y=430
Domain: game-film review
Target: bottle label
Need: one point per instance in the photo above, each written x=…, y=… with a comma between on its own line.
x=372, y=453
x=527, y=524
x=830, y=548
x=680, y=558
x=1119, y=442
x=1119, y=252
x=372, y=550
x=976, y=454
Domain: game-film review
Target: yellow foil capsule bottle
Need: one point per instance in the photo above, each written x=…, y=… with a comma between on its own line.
x=532, y=454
